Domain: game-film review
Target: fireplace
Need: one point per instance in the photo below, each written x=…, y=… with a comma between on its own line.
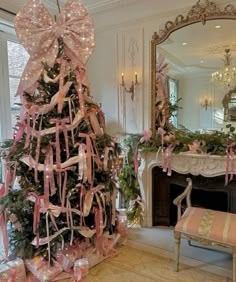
x=207, y=192
x=158, y=189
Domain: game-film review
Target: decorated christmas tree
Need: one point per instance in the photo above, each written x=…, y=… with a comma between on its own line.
x=60, y=155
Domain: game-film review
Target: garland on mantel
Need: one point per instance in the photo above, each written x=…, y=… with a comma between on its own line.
x=179, y=140
x=212, y=143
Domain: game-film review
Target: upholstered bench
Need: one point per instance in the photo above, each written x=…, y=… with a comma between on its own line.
x=206, y=226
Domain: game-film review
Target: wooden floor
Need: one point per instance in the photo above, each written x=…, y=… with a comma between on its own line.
x=133, y=265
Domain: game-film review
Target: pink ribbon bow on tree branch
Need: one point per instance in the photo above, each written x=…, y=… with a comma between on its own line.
x=38, y=32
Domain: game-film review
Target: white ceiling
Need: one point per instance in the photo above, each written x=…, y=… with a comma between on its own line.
x=116, y=12
x=205, y=47
x=122, y=9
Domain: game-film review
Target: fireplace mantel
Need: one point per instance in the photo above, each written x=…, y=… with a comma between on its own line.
x=183, y=163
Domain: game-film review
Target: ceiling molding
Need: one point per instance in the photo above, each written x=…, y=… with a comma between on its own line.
x=104, y=5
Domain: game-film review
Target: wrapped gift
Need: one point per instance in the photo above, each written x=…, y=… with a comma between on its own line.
x=41, y=270
x=81, y=268
x=31, y=278
x=62, y=277
x=13, y=271
x=70, y=254
x=66, y=258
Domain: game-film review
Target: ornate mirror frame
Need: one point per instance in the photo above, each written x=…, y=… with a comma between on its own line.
x=200, y=12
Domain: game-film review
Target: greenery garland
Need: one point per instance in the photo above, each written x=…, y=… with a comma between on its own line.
x=211, y=143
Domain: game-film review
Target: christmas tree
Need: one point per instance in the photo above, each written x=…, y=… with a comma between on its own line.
x=60, y=155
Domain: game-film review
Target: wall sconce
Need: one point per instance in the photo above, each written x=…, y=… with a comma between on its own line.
x=205, y=102
x=130, y=90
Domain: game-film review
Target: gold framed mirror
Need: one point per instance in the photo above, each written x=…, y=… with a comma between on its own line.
x=200, y=13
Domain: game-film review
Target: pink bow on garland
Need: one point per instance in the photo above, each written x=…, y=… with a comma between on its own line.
x=229, y=162
x=38, y=32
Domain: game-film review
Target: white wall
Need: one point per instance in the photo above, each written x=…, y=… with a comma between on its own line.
x=192, y=115
x=112, y=58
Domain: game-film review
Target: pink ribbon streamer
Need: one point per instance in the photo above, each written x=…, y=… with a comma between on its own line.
x=80, y=95
x=106, y=153
x=38, y=202
x=92, y=114
x=161, y=131
x=99, y=241
x=136, y=163
x=138, y=200
x=89, y=152
x=102, y=119
x=89, y=198
x=229, y=162
x=63, y=191
x=37, y=152
x=167, y=159
x=49, y=182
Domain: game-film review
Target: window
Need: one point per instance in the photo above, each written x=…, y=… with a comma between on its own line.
x=17, y=58
x=172, y=86
x=13, y=58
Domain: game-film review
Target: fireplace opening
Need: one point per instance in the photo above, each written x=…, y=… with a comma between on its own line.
x=207, y=192
x=215, y=200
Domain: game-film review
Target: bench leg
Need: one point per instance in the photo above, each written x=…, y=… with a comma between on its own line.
x=177, y=247
x=234, y=265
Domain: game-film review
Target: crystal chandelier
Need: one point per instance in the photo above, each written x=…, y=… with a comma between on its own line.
x=226, y=76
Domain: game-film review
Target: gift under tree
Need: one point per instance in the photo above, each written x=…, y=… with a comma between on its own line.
x=60, y=154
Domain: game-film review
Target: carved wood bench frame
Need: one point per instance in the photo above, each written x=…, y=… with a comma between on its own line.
x=178, y=202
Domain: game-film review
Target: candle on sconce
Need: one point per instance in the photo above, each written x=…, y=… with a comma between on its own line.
x=136, y=78
x=122, y=79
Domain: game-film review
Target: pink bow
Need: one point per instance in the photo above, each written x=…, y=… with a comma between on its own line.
x=138, y=200
x=38, y=32
x=147, y=134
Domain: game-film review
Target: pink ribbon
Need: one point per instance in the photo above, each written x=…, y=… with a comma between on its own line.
x=229, y=162
x=106, y=153
x=102, y=119
x=38, y=202
x=19, y=133
x=147, y=134
x=28, y=131
x=12, y=277
x=89, y=151
x=161, y=131
x=80, y=95
x=37, y=152
x=167, y=158
x=62, y=94
x=38, y=33
x=99, y=230
x=136, y=163
x=94, y=122
x=63, y=191
x=89, y=198
x=138, y=200
x=48, y=173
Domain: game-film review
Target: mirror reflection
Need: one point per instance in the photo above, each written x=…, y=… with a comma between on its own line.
x=200, y=51
x=193, y=53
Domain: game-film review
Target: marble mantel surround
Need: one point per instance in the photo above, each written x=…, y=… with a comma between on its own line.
x=183, y=163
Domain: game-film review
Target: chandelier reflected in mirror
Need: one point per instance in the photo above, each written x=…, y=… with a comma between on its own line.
x=226, y=76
